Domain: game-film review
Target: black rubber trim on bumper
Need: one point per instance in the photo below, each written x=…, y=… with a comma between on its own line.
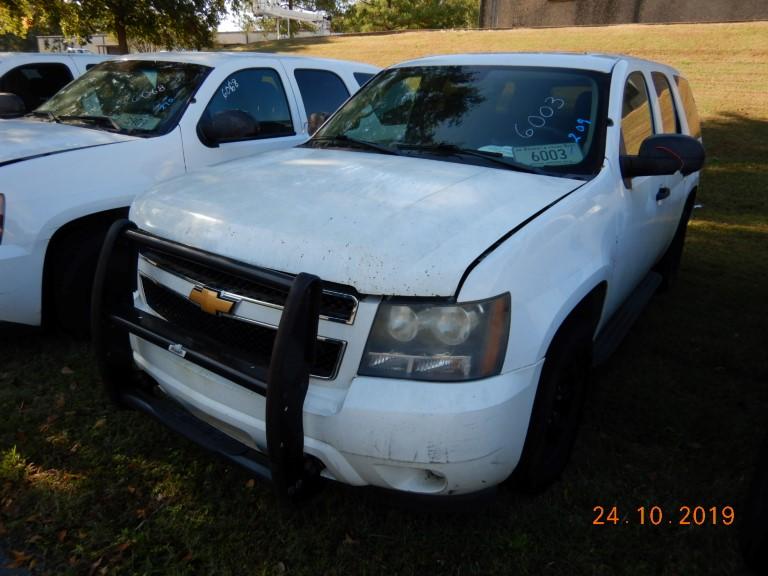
x=113, y=318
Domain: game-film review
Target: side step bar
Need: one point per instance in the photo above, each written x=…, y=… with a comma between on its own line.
x=622, y=320
x=285, y=383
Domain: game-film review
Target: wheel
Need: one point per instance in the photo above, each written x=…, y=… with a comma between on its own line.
x=669, y=265
x=754, y=526
x=556, y=410
x=73, y=269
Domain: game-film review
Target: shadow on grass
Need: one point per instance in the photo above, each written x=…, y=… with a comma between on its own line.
x=736, y=138
x=735, y=181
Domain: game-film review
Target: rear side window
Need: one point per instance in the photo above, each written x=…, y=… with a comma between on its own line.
x=362, y=77
x=35, y=83
x=322, y=93
x=689, y=104
x=669, y=121
x=636, y=118
x=255, y=100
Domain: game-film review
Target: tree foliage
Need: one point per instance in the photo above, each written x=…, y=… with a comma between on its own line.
x=375, y=15
x=170, y=23
x=21, y=21
x=192, y=23
x=19, y=16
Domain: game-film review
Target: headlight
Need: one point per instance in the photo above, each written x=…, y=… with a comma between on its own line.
x=436, y=341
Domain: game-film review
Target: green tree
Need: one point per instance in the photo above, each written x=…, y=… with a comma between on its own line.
x=171, y=23
x=375, y=15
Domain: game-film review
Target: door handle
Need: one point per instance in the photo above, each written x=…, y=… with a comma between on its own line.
x=663, y=192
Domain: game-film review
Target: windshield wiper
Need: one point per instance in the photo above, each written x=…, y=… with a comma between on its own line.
x=45, y=114
x=453, y=149
x=344, y=139
x=100, y=120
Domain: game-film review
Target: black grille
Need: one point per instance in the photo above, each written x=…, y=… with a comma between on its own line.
x=250, y=342
x=335, y=306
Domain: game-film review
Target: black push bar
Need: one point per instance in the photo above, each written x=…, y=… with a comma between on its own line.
x=284, y=383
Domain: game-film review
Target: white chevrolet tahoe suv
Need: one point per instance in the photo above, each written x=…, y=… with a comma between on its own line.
x=413, y=298
x=72, y=167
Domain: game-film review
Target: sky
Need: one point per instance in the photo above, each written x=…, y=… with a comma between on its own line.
x=229, y=24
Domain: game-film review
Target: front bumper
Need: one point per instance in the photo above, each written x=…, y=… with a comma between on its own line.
x=399, y=434
x=428, y=438
x=20, y=285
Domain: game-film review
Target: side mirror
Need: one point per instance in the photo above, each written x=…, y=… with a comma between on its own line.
x=664, y=154
x=227, y=126
x=11, y=106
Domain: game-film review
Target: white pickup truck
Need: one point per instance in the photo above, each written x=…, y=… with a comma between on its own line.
x=72, y=166
x=33, y=77
x=412, y=299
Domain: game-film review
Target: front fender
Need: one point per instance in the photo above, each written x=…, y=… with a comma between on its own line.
x=549, y=266
x=46, y=193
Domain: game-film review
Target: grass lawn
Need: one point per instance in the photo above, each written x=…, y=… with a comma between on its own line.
x=675, y=418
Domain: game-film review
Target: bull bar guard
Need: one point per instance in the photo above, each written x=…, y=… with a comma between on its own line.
x=284, y=384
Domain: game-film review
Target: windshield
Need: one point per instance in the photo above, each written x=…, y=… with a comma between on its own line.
x=133, y=97
x=540, y=119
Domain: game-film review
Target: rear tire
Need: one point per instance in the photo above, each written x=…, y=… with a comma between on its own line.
x=557, y=410
x=669, y=265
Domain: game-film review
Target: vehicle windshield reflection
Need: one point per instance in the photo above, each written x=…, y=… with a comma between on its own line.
x=131, y=97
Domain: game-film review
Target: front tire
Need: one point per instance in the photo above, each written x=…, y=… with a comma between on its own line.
x=74, y=266
x=557, y=410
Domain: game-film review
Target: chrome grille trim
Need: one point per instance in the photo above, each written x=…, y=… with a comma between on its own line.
x=145, y=277
x=226, y=294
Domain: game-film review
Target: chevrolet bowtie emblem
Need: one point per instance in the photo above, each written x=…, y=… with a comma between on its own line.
x=210, y=301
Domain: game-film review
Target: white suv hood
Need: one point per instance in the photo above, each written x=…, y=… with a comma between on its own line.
x=383, y=224
x=23, y=139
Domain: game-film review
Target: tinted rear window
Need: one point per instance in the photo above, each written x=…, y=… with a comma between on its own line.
x=691, y=113
x=669, y=121
x=321, y=91
x=363, y=77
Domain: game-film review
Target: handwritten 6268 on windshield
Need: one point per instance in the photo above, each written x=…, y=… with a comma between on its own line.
x=150, y=93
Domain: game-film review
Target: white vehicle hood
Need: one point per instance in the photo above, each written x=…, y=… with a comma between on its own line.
x=24, y=139
x=384, y=224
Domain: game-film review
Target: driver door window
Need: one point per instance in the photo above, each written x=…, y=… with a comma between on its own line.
x=643, y=236
x=636, y=116
x=250, y=104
